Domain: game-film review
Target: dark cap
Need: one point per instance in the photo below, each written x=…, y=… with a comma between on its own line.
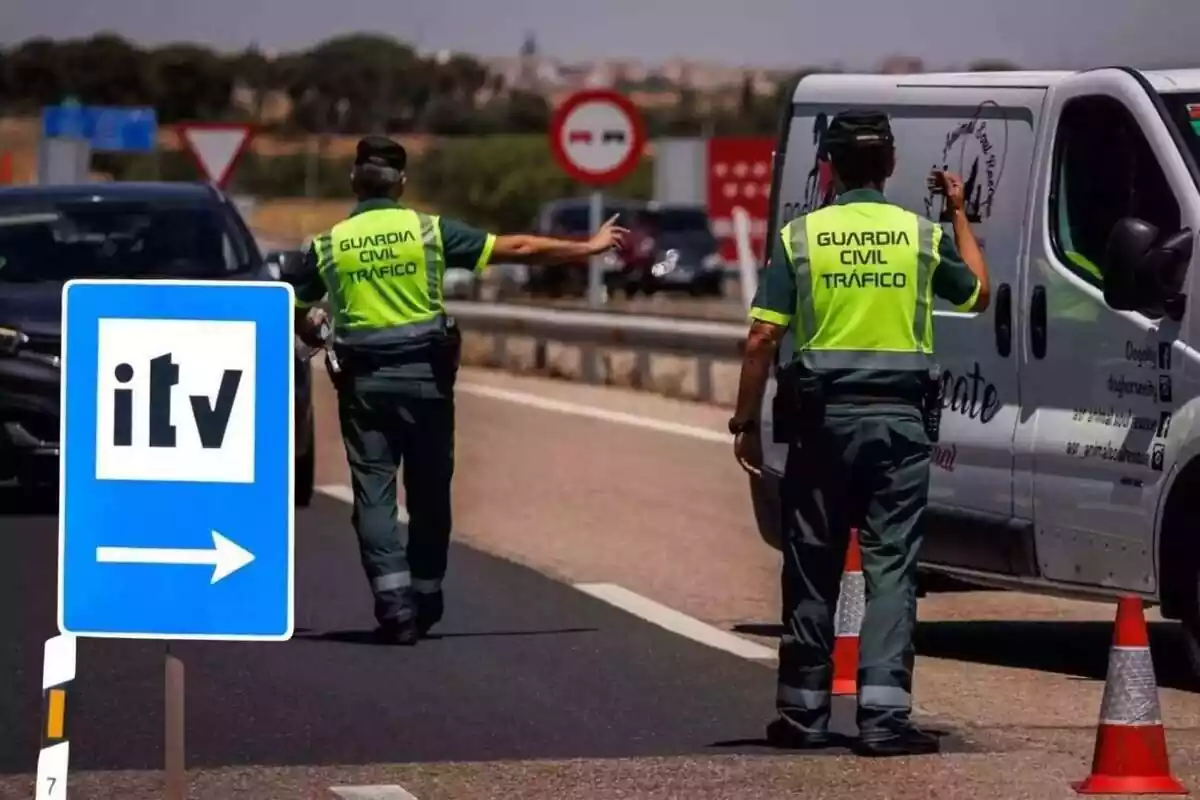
x=380, y=151
x=859, y=129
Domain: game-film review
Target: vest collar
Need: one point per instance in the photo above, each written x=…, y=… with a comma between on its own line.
x=860, y=196
x=373, y=205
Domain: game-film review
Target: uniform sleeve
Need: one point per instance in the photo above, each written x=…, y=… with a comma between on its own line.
x=952, y=278
x=465, y=247
x=775, y=300
x=306, y=278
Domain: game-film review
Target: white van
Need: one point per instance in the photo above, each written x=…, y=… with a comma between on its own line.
x=1069, y=459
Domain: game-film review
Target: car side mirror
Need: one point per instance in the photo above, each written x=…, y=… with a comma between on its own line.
x=283, y=264
x=1145, y=271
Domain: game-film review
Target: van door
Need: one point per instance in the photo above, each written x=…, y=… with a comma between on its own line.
x=1100, y=385
x=988, y=135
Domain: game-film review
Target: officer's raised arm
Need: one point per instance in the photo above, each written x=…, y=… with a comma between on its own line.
x=530, y=249
x=961, y=275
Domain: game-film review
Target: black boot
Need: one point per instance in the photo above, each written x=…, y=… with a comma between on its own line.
x=784, y=735
x=398, y=631
x=905, y=742
x=430, y=608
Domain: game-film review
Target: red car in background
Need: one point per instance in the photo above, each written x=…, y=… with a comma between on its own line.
x=571, y=219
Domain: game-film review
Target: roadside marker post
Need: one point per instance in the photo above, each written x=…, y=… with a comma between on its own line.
x=176, y=509
x=58, y=670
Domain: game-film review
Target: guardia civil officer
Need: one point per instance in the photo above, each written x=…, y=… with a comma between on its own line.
x=855, y=283
x=396, y=353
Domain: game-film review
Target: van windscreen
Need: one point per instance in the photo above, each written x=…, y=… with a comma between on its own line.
x=1184, y=110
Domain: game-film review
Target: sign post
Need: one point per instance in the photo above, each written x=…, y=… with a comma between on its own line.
x=177, y=472
x=597, y=137
x=216, y=147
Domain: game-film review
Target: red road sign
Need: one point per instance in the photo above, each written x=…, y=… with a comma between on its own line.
x=597, y=136
x=215, y=147
x=739, y=174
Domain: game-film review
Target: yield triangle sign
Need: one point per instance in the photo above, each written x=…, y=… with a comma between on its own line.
x=215, y=147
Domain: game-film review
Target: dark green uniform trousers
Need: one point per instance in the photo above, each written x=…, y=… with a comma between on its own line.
x=868, y=469
x=386, y=426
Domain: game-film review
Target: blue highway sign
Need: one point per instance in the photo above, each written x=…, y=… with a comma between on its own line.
x=176, y=517
x=105, y=128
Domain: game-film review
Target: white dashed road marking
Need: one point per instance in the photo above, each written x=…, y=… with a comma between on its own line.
x=675, y=621
x=372, y=793
x=632, y=603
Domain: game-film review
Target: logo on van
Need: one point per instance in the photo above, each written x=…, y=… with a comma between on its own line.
x=976, y=150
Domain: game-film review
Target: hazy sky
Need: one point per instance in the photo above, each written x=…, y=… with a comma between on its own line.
x=761, y=32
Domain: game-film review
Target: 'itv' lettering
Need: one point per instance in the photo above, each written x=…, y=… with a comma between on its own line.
x=212, y=418
x=175, y=400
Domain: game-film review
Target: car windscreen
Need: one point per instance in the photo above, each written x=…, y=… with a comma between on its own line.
x=1184, y=111
x=577, y=219
x=688, y=223
x=56, y=240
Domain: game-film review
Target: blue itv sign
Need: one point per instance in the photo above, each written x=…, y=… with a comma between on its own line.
x=176, y=518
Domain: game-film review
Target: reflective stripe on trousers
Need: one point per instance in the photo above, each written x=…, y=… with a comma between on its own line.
x=807, y=699
x=884, y=697
x=427, y=585
x=392, y=581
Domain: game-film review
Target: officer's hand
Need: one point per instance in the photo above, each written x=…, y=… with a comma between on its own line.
x=608, y=237
x=309, y=329
x=748, y=449
x=950, y=186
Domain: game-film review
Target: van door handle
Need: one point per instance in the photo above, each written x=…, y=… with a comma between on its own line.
x=1004, y=320
x=1037, y=322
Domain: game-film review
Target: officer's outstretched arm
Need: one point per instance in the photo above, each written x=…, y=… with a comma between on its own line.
x=530, y=249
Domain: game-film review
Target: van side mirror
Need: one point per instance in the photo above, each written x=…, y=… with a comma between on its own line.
x=1144, y=271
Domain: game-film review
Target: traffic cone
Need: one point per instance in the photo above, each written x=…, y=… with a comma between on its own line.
x=847, y=620
x=1131, y=745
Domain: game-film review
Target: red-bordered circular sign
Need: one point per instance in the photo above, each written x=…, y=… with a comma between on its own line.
x=597, y=136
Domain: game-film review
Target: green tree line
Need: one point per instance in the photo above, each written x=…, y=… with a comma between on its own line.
x=348, y=84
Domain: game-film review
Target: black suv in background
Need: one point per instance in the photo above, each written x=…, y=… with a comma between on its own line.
x=683, y=241
x=51, y=234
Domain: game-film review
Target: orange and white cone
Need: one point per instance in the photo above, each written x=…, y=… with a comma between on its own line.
x=1131, y=744
x=847, y=621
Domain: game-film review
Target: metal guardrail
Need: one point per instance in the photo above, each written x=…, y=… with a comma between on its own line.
x=705, y=341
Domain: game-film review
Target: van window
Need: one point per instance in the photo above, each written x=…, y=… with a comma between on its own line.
x=1104, y=170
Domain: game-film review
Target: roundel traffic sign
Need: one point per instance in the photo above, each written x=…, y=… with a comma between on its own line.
x=597, y=136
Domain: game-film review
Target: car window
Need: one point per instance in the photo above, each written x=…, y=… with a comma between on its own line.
x=1104, y=170
x=577, y=219
x=56, y=240
x=683, y=224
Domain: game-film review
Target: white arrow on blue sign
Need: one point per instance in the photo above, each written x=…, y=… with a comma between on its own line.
x=176, y=513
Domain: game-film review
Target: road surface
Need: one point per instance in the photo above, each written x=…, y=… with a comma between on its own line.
x=609, y=634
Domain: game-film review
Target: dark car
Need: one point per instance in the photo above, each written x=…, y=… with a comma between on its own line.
x=687, y=250
x=51, y=234
x=571, y=219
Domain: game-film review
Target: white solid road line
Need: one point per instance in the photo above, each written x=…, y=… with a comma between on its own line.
x=592, y=412
x=632, y=603
x=675, y=621
x=391, y=792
